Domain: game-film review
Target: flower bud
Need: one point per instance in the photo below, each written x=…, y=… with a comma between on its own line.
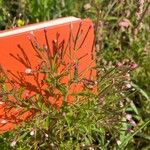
x=13, y=143
x=32, y=132
x=128, y=117
x=3, y=121
x=28, y=70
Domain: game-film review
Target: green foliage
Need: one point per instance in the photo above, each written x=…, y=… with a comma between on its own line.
x=100, y=120
x=31, y=11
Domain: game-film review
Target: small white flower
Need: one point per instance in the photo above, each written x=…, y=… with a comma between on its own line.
x=128, y=117
x=63, y=114
x=128, y=85
x=46, y=135
x=118, y=142
x=1, y=103
x=52, y=144
x=127, y=76
x=28, y=70
x=3, y=121
x=32, y=132
x=87, y=6
x=31, y=32
x=20, y=14
x=13, y=144
x=91, y=148
x=121, y=104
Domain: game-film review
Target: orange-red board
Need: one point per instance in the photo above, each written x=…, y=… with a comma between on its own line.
x=77, y=37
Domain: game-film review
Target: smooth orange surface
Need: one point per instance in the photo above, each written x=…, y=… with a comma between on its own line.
x=9, y=51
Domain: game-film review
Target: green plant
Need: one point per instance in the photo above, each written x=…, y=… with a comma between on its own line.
x=118, y=116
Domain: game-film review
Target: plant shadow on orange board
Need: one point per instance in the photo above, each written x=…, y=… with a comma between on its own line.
x=54, y=62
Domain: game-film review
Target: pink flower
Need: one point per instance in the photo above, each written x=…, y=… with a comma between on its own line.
x=130, y=130
x=3, y=121
x=124, y=23
x=29, y=37
x=128, y=86
x=26, y=94
x=13, y=143
x=28, y=70
x=45, y=47
x=140, y=9
x=133, y=66
x=132, y=122
x=119, y=64
x=128, y=117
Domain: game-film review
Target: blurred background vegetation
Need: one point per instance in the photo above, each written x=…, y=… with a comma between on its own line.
x=37, y=10
x=114, y=43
